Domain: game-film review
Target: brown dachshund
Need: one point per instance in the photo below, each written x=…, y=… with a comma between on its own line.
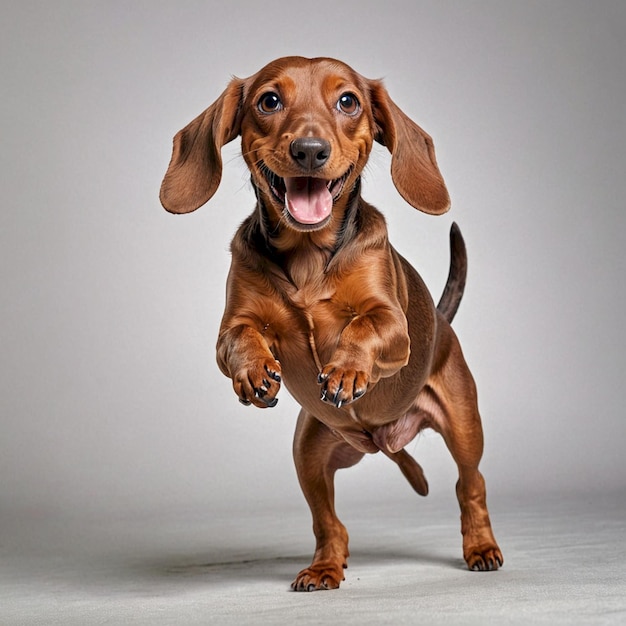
x=318, y=298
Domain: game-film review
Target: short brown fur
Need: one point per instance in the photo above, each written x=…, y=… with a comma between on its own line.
x=332, y=310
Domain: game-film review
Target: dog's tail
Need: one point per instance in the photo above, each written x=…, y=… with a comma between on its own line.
x=455, y=285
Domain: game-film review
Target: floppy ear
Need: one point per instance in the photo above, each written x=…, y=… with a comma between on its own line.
x=195, y=170
x=413, y=164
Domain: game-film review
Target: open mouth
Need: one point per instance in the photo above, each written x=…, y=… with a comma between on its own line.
x=308, y=202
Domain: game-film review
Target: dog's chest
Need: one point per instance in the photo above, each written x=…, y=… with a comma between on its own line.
x=305, y=345
x=310, y=323
x=319, y=316
x=313, y=315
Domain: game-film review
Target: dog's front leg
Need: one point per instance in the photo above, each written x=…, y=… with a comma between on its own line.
x=374, y=345
x=244, y=356
x=246, y=337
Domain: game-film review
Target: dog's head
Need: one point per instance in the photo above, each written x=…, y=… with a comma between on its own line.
x=307, y=127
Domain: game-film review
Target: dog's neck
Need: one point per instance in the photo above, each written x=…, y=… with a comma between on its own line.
x=301, y=257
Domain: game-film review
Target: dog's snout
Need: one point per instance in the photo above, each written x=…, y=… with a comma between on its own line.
x=310, y=152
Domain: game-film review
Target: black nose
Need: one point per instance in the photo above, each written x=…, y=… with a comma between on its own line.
x=310, y=152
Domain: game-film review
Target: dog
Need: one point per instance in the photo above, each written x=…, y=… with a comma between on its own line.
x=318, y=298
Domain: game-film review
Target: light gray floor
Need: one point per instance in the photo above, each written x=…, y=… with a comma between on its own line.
x=565, y=564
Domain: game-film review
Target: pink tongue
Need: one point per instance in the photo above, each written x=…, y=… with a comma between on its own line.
x=308, y=199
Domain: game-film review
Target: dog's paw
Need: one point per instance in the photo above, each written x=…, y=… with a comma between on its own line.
x=258, y=383
x=342, y=385
x=484, y=560
x=318, y=578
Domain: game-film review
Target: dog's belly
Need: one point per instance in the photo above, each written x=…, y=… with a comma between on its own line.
x=362, y=424
x=386, y=415
x=306, y=340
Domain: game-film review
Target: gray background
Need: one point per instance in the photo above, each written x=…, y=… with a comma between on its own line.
x=110, y=397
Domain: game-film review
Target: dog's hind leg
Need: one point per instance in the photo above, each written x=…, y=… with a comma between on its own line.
x=318, y=454
x=458, y=421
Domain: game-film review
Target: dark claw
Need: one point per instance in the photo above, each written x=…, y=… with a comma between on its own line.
x=272, y=403
x=245, y=402
x=321, y=378
x=358, y=393
x=323, y=396
x=273, y=375
x=336, y=400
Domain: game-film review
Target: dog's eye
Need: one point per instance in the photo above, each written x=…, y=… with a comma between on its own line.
x=348, y=104
x=270, y=102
